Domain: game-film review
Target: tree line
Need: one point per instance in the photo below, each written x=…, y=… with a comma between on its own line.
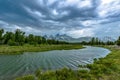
x=96, y=41
x=19, y=38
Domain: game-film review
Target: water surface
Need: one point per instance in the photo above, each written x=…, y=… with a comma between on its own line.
x=17, y=65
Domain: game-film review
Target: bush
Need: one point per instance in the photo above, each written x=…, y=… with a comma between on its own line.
x=11, y=43
x=38, y=73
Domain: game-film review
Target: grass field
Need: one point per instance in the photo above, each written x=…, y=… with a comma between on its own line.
x=107, y=68
x=5, y=49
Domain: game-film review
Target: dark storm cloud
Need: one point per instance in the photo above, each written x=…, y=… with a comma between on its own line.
x=76, y=16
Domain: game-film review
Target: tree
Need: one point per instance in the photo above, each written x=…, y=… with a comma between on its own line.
x=31, y=39
x=118, y=41
x=92, y=42
x=8, y=36
x=1, y=35
x=19, y=37
x=11, y=43
x=38, y=39
x=44, y=40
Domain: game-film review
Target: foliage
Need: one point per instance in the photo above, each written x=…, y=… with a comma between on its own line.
x=11, y=42
x=96, y=41
x=118, y=41
x=19, y=38
x=1, y=35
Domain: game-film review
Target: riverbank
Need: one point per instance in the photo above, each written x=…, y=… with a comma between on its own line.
x=107, y=68
x=5, y=49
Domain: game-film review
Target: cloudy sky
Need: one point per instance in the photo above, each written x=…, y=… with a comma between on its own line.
x=76, y=18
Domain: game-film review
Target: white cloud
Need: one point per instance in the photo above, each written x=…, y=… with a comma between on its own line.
x=73, y=17
x=76, y=3
x=63, y=30
x=3, y=23
x=13, y=27
x=81, y=32
x=88, y=22
x=32, y=30
x=93, y=22
x=55, y=12
x=40, y=2
x=37, y=13
x=85, y=3
x=50, y=2
x=34, y=13
x=110, y=29
x=108, y=8
x=58, y=14
x=9, y=27
x=64, y=13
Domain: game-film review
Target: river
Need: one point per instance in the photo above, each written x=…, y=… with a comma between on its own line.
x=18, y=65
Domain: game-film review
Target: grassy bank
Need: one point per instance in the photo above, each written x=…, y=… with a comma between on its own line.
x=4, y=49
x=107, y=68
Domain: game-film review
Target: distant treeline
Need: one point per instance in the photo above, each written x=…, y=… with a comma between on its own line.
x=19, y=38
x=96, y=41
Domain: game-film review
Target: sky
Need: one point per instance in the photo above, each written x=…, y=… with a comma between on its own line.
x=76, y=18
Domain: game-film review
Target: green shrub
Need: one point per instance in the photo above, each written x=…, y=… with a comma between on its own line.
x=11, y=43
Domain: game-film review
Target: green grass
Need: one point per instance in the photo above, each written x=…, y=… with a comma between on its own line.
x=107, y=68
x=5, y=49
x=112, y=64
